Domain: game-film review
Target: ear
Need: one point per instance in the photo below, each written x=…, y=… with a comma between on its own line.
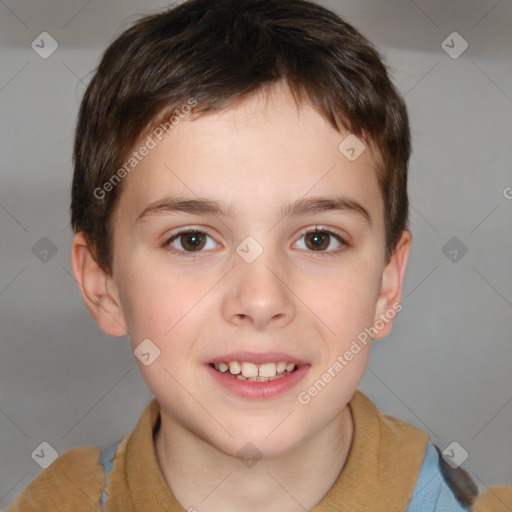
x=98, y=289
x=390, y=295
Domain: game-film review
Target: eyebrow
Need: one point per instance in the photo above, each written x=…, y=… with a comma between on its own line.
x=205, y=206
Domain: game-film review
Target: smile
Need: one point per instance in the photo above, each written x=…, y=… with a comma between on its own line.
x=252, y=372
x=258, y=385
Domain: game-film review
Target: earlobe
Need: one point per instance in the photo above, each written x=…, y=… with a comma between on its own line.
x=388, y=302
x=93, y=282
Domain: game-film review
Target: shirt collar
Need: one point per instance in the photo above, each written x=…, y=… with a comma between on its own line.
x=380, y=472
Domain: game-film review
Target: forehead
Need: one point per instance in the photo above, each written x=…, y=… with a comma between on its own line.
x=255, y=156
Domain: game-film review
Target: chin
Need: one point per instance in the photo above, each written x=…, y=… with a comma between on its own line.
x=253, y=444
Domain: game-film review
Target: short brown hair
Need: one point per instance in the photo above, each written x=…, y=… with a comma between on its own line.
x=218, y=52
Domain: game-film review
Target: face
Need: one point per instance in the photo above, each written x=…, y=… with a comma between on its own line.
x=294, y=287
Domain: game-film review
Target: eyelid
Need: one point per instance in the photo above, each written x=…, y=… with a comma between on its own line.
x=333, y=231
x=181, y=231
x=341, y=238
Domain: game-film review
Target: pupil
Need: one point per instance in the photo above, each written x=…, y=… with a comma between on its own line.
x=193, y=237
x=318, y=239
x=193, y=240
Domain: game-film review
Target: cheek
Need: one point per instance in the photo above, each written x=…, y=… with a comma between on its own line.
x=165, y=306
x=345, y=302
x=147, y=301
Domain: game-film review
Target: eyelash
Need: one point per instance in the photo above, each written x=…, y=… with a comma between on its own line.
x=316, y=229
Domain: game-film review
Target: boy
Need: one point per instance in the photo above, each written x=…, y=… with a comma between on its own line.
x=240, y=207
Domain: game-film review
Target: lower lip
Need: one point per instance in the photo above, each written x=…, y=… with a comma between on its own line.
x=259, y=390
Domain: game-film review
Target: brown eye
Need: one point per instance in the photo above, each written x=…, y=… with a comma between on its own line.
x=317, y=240
x=192, y=241
x=189, y=241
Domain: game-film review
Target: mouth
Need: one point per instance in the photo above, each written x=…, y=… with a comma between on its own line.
x=258, y=376
x=255, y=372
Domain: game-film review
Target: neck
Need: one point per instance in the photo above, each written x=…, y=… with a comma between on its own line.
x=201, y=476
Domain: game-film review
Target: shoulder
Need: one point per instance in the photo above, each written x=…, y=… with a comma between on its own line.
x=432, y=484
x=497, y=498
x=441, y=486
x=73, y=482
x=395, y=433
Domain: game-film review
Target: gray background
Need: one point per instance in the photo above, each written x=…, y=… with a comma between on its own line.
x=446, y=367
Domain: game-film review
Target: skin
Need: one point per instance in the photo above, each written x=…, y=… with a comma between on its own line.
x=292, y=298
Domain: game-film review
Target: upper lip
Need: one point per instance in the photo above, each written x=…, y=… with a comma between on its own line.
x=255, y=358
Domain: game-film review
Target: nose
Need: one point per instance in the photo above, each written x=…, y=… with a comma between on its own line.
x=258, y=295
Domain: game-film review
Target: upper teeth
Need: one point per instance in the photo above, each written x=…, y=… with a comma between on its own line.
x=253, y=370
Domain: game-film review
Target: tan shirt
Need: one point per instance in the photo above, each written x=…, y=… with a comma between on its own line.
x=380, y=473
